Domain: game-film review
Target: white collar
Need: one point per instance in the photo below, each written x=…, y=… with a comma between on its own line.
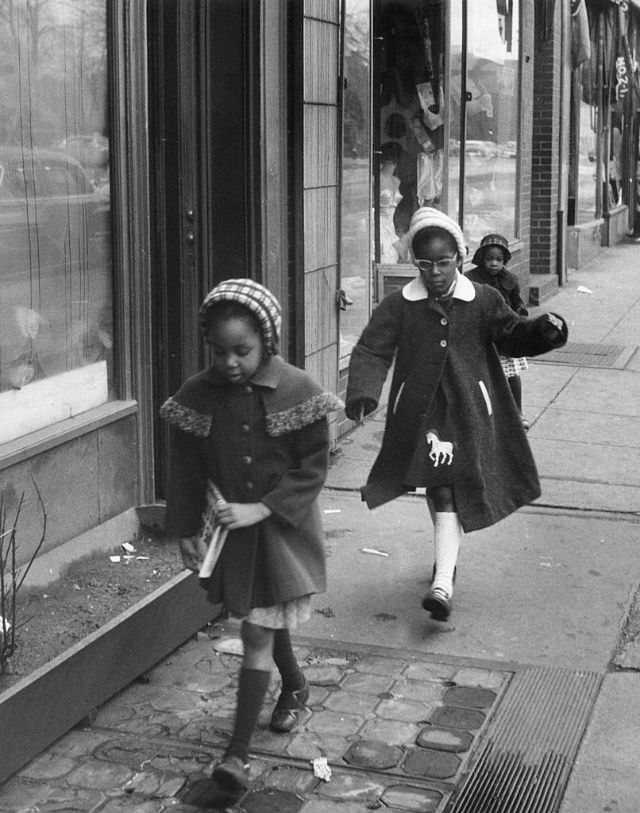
x=415, y=290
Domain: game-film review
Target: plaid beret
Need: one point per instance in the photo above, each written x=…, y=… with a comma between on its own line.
x=492, y=240
x=426, y=217
x=257, y=299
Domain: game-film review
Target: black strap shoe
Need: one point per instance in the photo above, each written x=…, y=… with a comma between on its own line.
x=290, y=704
x=438, y=603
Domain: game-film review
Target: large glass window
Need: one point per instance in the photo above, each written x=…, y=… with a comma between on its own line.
x=356, y=177
x=56, y=292
x=484, y=101
x=411, y=117
x=447, y=117
x=587, y=165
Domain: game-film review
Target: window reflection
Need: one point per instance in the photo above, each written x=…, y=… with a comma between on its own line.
x=356, y=178
x=55, y=233
x=587, y=165
x=490, y=88
x=411, y=119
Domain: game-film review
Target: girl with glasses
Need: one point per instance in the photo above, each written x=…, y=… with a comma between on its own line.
x=452, y=426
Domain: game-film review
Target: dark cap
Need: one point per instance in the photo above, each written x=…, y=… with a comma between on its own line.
x=488, y=241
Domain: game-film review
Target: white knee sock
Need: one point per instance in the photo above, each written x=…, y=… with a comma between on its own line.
x=447, y=538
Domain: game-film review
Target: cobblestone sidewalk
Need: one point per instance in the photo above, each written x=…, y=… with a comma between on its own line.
x=396, y=729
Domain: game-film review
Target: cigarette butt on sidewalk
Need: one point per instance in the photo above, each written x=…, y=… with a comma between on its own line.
x=374, y=551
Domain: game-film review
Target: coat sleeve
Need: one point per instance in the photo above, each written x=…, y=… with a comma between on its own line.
x=187, y=483
x=298, y=487
x=373, y=355
x=516, y=336
x=516, y=301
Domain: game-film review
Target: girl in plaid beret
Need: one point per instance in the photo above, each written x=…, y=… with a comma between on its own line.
x=251, y=432
x=452, y=426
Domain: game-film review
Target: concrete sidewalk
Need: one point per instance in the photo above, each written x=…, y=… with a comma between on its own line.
x=527, y=700
x=557, y=582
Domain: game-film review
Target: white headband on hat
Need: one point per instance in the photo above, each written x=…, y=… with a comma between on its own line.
x=426, y=217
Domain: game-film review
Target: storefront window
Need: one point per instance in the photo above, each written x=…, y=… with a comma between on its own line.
x=356, y=178
x=587, y=164
x=411, y=119
x=448, y=117
x=483, y=136
x=56, y=320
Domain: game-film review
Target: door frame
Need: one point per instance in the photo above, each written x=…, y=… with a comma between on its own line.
x=204, y=99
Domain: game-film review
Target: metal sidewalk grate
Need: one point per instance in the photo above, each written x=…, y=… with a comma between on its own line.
x=580, y=354
x=524, y=762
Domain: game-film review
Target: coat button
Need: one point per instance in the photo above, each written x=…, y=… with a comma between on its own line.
x=247, y=460
x=443, y=343
x=444, y=322
x=244, y=427
x=249, y=485
x=248, y=388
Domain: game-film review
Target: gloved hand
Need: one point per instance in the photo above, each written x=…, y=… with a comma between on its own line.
x=357, y=409
x=555, y=331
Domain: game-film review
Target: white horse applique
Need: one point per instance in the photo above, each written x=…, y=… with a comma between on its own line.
x=441, y=450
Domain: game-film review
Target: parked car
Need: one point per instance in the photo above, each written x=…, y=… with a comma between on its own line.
x=55, y=262
x=89, y=150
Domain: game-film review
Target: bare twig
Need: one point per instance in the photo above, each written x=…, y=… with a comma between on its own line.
x=12, y=577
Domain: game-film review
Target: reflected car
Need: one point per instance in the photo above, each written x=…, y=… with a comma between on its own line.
x=55, y=266
x=508, y=149
x=480, y=149
x=53, y=196
x=90, y=150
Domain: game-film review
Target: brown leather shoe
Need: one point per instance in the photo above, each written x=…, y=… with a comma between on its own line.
x=289, y=705
x=438, y=603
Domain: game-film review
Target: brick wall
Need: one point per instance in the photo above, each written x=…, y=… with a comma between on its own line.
x=545, y=150
x=521, y=258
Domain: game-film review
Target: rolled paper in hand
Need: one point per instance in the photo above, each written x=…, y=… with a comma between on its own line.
x=213, y=552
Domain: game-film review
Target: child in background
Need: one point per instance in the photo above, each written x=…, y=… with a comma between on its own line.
x=452, y=426
x=255, y=427
x=489, y=268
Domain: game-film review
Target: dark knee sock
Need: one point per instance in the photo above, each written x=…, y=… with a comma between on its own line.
x=285, y=660
x=516, y=390
x=252, y=687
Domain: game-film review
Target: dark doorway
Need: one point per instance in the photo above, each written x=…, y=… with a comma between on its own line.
x=203, y=88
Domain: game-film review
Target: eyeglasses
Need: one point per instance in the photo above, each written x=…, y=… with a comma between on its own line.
x=445, y=264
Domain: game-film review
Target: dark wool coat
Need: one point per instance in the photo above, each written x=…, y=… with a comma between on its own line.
x=264, y=441
x=447, y=367
x=504, y=281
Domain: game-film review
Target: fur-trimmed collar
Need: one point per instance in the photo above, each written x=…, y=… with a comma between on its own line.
x=291, y=398
x=415, y=290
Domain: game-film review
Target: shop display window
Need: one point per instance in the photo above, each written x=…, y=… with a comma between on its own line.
x=355, y=238
x=56, y=304
x=484, y=131
x=587, y=165
x=447, y=117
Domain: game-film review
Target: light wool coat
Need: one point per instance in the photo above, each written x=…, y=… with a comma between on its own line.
x=447, y=370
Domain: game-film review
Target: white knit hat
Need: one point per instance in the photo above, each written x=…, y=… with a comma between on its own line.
x=426, y=217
